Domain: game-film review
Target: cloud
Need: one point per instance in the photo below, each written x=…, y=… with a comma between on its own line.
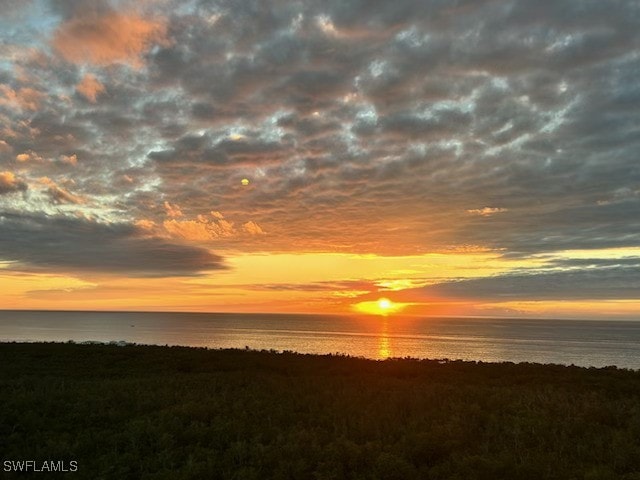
x=252, y=228
x=346, y=288
x=188, y=230
x=199, y=230
x=13, y=7
x=411, y=126
x=69, y=159
x=90, y=87
x=225, y=152
x=71, y=244
x=60, y=195
x=9, y=183
x=29, y=156
x=606, y=280
x=24, y=98
x=559, y=227
x=172, y=210
x=486, y=211
x=104, y=38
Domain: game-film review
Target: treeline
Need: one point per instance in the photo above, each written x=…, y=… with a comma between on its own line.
x=146, y=412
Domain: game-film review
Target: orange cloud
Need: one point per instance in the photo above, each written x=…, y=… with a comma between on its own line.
x=10, y=183
x=146, y=224
x=29, y=156
x=187, y=229
x=24, y=98
x=198, y=230
x=253, y=228
x=90, y=87
x=173, y=210
x=69, y=159
x=104, y=39
x=202, y=228
x=60, y=195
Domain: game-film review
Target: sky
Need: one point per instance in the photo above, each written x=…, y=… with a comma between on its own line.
x=470, y=157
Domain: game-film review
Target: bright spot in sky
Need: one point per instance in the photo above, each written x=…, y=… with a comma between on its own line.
x=245, y=181
x=384, y=304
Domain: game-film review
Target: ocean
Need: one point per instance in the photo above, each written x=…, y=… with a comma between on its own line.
x=579, y=342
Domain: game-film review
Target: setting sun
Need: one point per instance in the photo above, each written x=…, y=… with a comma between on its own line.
x=382, y=306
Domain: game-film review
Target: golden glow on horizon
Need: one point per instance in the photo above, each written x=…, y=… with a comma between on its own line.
x=269, y=198
x=387, y=271
x=401, y=284
x=570, y=308
x=382, y=306
x=305, y=283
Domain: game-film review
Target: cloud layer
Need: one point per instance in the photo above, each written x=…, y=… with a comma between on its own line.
x=596, y=280
x=66, y=244
x=392, y=128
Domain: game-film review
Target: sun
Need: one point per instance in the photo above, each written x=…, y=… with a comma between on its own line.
x=383, y=306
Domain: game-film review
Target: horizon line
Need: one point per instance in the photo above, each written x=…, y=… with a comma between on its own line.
x=310, y=314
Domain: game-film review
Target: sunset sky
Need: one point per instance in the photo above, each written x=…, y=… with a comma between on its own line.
x=468, y=157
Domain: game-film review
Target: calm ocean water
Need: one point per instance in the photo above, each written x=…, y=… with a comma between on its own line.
x=586, y=343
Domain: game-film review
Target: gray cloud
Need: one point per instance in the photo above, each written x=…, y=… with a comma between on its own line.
x=567, y=227
x=597, y=262
x=38, y=242
x=11, y=8
x=363, y=126
x=563, y=279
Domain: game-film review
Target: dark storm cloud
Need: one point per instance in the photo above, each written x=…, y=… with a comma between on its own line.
x=58, y=243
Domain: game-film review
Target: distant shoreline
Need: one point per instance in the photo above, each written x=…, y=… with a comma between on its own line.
x=122, y=343
x=337, y=314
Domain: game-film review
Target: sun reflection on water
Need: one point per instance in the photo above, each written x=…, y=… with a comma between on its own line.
x=384, y=344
